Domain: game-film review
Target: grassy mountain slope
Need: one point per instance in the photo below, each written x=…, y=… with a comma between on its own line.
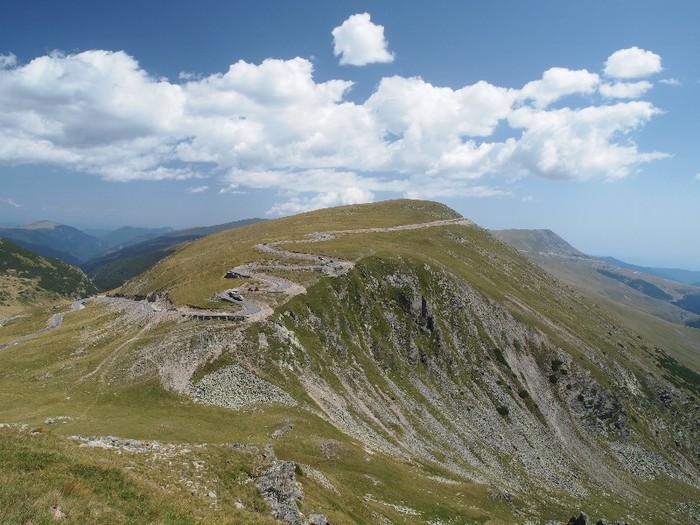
x=112, y=269
x=443, y=379
x=27, y=279
x=665, y=299
x=538, y=241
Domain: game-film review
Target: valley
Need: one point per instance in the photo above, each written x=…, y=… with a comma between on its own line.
x=402, y=366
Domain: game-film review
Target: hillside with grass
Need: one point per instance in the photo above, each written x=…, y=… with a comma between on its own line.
x=617, y=286
x=28, y=280
x=403, y=366
x=115, y=267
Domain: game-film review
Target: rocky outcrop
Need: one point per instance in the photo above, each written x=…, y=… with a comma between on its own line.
x=582, y=519
x=281, y=491
x=235, y=387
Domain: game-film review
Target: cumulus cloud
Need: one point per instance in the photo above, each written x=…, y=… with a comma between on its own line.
x=326, y=199
x=625, y=89
x=670, y=81
x=95, y=111
x=305, y=190
x=359, y=42
x=272, y=126
x=632, y=63
x=197, y=189
x=580, y=144
x=559, y=82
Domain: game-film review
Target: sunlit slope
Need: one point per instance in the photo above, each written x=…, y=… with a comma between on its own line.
x=28, y=279
x=646, y=303
x=443, y=379
x=103, y=373
x=196, y=271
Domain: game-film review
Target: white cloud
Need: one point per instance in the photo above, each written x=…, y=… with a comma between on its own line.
x=559, y=82
x=324, y=199
x=426, y=127
x=632, y=63
x=625, y=89
x=528, y=198
x=581, y=144
x=670, y=81
x=272, y=126
x=697, y=176
x=359, y=42
x=7, y=61
x=95, y=111
x=14, y=204
x=197, y=189
x=312, y=189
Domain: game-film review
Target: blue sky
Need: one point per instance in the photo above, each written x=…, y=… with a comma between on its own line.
x=578, y=117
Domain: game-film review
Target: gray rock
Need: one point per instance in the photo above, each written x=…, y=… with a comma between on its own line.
x=281, y=491
x=318, y=519
x=237, y=388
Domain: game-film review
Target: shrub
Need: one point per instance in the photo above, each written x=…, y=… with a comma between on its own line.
x=502, y=410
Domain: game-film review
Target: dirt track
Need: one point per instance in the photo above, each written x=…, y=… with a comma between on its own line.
x=252, y=311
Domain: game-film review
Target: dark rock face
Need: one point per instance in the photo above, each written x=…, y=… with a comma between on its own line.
x=607, y=410
x=580, y=519
x=281, y=491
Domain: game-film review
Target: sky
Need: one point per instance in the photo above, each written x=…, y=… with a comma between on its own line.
x=580, y=117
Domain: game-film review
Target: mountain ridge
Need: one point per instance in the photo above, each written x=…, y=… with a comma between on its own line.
x=667, y=299
x=442, y=378
x=54, y=240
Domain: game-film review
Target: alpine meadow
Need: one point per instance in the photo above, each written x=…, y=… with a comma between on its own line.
x=296, y=263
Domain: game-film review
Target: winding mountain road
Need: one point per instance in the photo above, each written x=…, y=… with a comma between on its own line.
x=54, y=322
x=253, y=311
x=259, y=271
x=330, y=266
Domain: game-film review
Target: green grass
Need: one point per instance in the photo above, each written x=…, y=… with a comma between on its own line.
x=43, y=474
x=196, y=271
x=143, y=410
x=51, y=275
x=84, y=371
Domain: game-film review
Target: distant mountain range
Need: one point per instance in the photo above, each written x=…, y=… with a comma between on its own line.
x=115, y=267
x=691, y=277
x=666, y=293
x=72, y=245
x=55, y=240
x=129, y=235
x=109, y=257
